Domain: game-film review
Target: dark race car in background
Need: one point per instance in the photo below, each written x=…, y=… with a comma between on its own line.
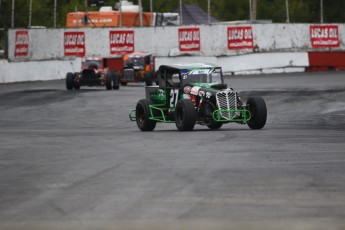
x=95, y=71
x=138, y=67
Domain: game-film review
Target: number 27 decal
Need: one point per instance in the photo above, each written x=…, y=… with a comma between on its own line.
x=173, y=97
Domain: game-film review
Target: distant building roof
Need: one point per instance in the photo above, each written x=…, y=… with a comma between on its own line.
x=192, y=14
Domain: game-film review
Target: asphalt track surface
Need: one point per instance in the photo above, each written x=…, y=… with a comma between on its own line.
x=74, y=156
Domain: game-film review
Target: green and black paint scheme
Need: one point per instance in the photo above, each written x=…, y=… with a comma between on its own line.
x=190, y=94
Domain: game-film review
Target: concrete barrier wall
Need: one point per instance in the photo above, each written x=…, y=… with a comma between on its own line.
x=277, y=48
x=37, y=70
x=248, y=63
x=236, y=64
x=47, y=44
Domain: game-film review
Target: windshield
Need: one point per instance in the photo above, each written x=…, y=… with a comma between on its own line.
x=135, y=62
x=86, y=63
x=202, y=76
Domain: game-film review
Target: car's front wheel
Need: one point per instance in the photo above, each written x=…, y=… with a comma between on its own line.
x=142, y=113
x=258, y=111
x=214, y=125
x=69, y=81
x=185, y=115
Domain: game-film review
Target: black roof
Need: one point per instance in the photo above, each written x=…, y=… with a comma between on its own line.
x=194, y=15
x=188, y=66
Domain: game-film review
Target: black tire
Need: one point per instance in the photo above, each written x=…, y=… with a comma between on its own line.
x=185, y=115
x=142, y=113
x=109, y=82
x=258, y=110
x=148, y=82
x=215, y=125
x=116, y=80
x=76, y=84
x=156, y=77
x=69, y=81
x=149, y=78
x=123, y=83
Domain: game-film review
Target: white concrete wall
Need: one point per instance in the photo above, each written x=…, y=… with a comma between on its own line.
x=236, y=64
x=47, y=44
x=282, y=37
x=248, y=63
x=260, y=61
x=37, y=70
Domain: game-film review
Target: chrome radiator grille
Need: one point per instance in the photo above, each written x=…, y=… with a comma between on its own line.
x=227, y=100
x=129, y=74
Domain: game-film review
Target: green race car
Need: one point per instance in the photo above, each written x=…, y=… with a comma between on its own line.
x=190, y=94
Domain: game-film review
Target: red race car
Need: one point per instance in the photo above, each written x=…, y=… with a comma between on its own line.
x=95, y=71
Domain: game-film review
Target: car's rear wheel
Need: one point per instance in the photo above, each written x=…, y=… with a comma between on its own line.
x=185, y=115
x=149, y=78
x=258, y=110
x=116, y=80
x=108, y=82
x=76, y=84
x=142, y=113
x=148, y=82
x=123, y=83
x=69, y=81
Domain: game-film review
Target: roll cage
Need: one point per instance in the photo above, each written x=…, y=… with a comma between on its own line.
x=174, y=77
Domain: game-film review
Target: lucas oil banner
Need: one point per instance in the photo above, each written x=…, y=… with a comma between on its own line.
x=323, y=36
x=74, y=43
x=189, y=39
x=121, y=41
x=240, y=37
x=22, y=43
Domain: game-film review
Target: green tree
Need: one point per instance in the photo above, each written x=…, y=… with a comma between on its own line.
x=334, y=11
x=300, y=12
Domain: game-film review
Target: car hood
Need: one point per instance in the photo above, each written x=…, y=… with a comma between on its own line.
x=202, y=89
x=210, y=86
